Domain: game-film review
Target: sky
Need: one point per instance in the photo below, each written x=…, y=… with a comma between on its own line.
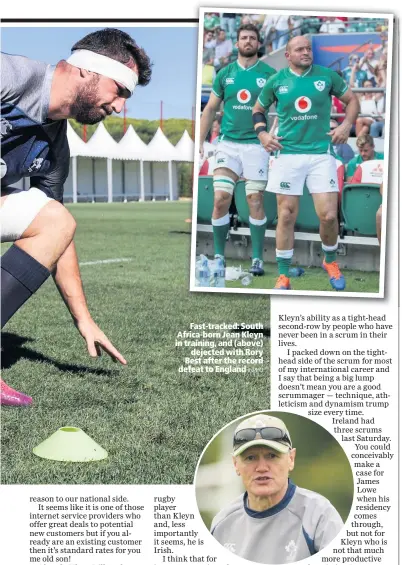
x=173, y=51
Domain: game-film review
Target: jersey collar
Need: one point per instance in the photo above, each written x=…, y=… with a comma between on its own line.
x=302, y=75
x=247, y=68
x=275, y=509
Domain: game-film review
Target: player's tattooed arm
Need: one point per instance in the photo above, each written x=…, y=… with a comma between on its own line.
x=352, y=109
x=207, y=118
x=269, y=141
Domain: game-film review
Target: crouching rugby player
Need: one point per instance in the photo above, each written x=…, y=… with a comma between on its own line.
x=36, y=101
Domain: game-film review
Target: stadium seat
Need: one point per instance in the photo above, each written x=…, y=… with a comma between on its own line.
x=242, y=206
x=369, y=172
x=360, y=203
x=205, y=199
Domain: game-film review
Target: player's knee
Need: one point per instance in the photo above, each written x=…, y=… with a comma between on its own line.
x=329, y=217
x=222, y=202
x=58, y=219
x=378, y=215
x=255, y=202
x=287, y=215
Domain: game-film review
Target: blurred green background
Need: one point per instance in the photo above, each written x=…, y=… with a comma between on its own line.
x=321, y=465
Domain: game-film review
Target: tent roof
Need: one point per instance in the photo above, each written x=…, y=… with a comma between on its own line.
x=131, y=146
x=185, y=147
x=101, y=144
x=160, y=148
x=76, y=144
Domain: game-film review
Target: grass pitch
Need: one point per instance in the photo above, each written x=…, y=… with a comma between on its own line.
x=153, y=420
x=313, y=279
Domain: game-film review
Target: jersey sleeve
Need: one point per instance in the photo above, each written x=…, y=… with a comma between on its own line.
x=339, y=85
x=328, y=527
x=8, y=78
x=217, y=87
x=267, y=94
x=271, y=72
x=52, y=184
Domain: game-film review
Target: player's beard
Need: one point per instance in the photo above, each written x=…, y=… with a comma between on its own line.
x=85, y=107
x=248, y=54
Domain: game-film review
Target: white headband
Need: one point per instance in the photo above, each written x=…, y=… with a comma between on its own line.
x=105, y=66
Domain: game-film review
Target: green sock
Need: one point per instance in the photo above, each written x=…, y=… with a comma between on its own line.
x=283, y=266
x=257, y=232
x=220, y=228
x=330, y=256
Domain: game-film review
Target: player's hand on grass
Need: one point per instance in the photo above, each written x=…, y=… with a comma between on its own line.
x=340, y=134
x=269, y=141
x=96, y=341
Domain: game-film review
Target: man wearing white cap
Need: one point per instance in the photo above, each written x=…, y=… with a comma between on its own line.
x=36, y=101
x=274, y=521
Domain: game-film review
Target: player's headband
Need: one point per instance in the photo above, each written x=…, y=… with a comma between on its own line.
x=105, y=66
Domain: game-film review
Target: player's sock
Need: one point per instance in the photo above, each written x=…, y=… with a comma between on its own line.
x=21, y=276
x=220, y=228
x=257, y=232
x=284, y=259
x=329, y=252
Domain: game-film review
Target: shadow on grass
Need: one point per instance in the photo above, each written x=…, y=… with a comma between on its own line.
x=14, y=349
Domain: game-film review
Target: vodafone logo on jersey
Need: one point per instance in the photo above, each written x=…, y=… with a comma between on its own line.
x=303, y=104
x=244, y=96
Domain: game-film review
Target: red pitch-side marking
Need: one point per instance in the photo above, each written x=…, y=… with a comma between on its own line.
x=349, y=48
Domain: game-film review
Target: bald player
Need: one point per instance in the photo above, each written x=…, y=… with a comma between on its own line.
x=36, y=101
x=305, y=155
x=274, y=521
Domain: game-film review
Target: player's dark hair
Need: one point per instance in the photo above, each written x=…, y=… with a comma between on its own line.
x=248, y=27
x=118, y=45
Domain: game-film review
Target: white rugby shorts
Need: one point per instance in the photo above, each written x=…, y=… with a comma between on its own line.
x=246, y=160
x=288, y=173
x=19, y=209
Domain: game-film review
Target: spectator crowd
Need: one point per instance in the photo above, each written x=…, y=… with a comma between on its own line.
x=365, y=68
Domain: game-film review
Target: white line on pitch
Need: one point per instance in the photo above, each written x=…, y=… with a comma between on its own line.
x=102, y=261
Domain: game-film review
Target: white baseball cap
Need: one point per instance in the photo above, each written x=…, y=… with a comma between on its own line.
x=261, y=429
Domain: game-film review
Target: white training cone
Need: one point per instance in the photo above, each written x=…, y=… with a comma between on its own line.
x=70, y=444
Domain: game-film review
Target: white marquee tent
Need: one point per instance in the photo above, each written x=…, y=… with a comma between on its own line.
x=185, y=147
x=105, y=170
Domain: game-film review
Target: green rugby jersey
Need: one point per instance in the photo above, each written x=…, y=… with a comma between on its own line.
x=303, y=104
x=239, y=88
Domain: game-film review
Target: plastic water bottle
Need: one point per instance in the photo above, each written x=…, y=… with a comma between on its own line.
x=218, y=273
x=247, y=279
x=202, y=272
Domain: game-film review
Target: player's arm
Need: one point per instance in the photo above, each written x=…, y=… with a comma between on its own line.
x=68, y=281
x=268, y=140
x=352, y=80
x=207, y=118
x=67, y=274
x=352, y=108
